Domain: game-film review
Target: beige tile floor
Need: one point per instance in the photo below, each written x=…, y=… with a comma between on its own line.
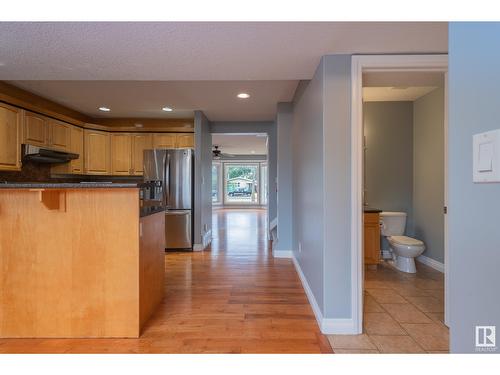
x=403, y=313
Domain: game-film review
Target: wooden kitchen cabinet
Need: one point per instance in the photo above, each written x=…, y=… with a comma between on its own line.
x=10, y=137
x=76, y=147
x=140, y=142
x=121, y=154
x=36, y=129
x=164, y=140
x=97, y=145
x=185, y=140
x=371, y=237
x=59, y=135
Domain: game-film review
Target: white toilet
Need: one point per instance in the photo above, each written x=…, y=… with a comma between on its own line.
x=405, y=249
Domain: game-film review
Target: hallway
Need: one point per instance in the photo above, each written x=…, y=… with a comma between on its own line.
x=234, y=298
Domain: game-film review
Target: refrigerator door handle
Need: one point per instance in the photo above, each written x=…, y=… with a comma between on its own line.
x=185, y=212
x=167, y=180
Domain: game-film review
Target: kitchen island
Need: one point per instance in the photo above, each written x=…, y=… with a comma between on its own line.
x=78, y=260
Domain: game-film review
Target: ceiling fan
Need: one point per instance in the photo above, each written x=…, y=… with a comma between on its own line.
x=217, y=154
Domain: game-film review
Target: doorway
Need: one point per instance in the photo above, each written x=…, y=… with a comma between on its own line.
x=382, y=65
x=240, y=192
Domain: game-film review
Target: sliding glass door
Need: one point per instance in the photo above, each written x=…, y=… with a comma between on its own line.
x=239, y=183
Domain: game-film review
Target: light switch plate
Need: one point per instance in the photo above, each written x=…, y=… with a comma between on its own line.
x=486, y=157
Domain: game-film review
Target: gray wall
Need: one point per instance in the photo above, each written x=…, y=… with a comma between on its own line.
x=474, y=209
x=388, y=130
x=284, y=120
x=428, y=173
x=202, y=177
x=321, y=184
x=307, y=205
x=268, y=127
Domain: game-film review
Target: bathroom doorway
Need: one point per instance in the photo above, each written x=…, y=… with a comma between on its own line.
x=403, y=81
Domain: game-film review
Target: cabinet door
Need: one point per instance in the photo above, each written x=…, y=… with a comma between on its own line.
x=10, y=137
x=35, y=129
x=140, y=142
x=185, y=140
x=371, y=238
x=59, y=135
x=97, y=152
x=76, y=146
x=164, y=140
x=121, y=154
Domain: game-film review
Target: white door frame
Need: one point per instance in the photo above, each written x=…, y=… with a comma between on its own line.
x=380, y=63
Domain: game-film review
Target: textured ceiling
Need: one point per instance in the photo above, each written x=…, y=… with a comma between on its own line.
x=217, y=99
x=266, y=59
x=241, y=144
x=198, y=51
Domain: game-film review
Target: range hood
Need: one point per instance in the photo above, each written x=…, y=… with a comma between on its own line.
x=46, y=155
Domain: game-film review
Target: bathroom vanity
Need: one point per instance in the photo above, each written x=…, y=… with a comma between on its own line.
x=371, y=221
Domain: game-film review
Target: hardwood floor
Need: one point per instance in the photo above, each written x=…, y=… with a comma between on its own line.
x=232, y=298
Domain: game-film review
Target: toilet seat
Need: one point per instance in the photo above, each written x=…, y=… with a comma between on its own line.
x=406, y=241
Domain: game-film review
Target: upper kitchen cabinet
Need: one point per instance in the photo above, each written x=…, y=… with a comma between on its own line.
x=76, y=147
x=121, y=154
x=164, y=140
x=10, y=137
x=173, y=140
x=140, y=142
x=35, y=129
x=185, y=140
x=97, y=146
x=59, y=135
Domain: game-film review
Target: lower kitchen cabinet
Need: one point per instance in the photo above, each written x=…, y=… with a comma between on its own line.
x=10, y=137
x=97, y=145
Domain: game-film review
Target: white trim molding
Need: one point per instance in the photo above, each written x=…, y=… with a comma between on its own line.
x=326, y=326
x=438, y=266
x=282, y=253
x=359, y=65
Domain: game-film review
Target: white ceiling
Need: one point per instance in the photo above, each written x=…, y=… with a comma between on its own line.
x=395, y=94
x=202, y=54
x=241, y=144
x=217, y=99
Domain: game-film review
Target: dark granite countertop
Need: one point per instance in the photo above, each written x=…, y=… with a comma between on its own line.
x=371, y=210
x=146, y=211
x=68, y=185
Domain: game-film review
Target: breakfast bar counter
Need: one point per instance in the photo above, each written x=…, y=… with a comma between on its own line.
x=78, y=261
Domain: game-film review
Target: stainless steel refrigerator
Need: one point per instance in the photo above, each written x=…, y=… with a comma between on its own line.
x=174, y=169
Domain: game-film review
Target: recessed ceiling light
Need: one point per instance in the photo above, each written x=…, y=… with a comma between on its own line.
x=137, y=125
x=243, y=95
x=104, y=109
x=167, y=109
x=253, y=151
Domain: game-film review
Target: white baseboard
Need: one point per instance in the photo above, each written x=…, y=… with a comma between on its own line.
x=283, y=253
x=326, y=326
x=198, y=247
x=438, y=266
x=273, y=223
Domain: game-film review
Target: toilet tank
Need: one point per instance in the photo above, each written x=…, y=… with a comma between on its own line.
x=392, y=223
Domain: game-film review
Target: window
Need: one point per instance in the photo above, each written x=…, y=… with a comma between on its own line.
x=241, y=183
x=216, y=196
x=263, y=184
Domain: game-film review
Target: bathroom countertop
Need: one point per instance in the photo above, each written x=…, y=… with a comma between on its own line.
x=371, y=210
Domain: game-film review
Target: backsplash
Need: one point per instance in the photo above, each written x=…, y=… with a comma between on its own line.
x=30, y=172
x=37, y=172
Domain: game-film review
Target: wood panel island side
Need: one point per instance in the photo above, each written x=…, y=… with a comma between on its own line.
x=78, y=261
